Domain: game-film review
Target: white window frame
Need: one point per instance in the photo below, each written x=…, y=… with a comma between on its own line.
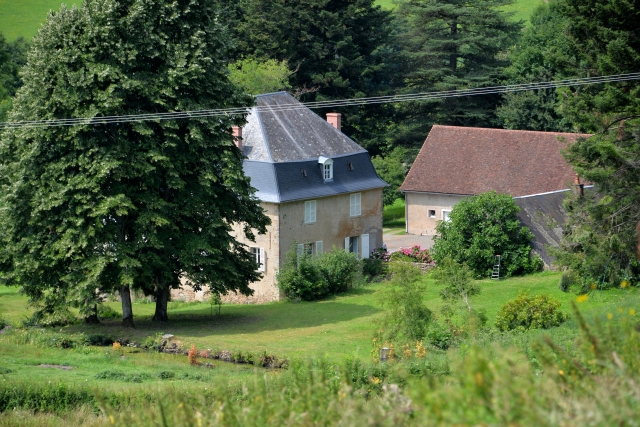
x=362, y=245
x=448, y=213
x=434, y=213
x=259, y=256
x=327, y=168
x=310, y=211
x=355, y=204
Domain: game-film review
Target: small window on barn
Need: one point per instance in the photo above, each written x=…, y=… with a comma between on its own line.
x=432, y=213
x=350, y=166
x=304, y=173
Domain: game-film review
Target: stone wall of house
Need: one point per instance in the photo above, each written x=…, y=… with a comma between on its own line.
x=333, y=222
x=418, y=205
x=264, y=290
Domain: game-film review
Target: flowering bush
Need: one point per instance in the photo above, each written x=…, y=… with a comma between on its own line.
x=193, y=355
x=381, y=254
x=416, y=254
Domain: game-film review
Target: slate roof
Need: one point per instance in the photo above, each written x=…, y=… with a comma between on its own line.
x=467, y=161
x=283, y=138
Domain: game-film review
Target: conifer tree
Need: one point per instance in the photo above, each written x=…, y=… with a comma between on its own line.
x=451, y=45
x=114, y=206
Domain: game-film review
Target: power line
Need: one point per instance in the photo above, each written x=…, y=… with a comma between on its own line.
x=425, y=96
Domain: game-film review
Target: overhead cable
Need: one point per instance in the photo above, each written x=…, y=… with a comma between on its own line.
x=425, y=96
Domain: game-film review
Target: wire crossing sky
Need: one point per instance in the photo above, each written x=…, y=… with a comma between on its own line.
x=426, y=96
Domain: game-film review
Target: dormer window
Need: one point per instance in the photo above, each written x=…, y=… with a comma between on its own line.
x=327, y=168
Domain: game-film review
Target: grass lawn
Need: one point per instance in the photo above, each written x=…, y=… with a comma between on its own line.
x=334, y=328
x=393, y=218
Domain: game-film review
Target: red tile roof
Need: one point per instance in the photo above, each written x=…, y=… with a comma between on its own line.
x=466, y=160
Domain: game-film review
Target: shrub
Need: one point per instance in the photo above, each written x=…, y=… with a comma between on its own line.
x=107, y=312
x=568, y=280
x=340, y=269
x=439, y=336
x=99, y=340
x=3, y=322
x=300, y=279
x=407, y=315
x=416, y=254
x=61, y=317
x=481, y=227
x=373, y=267
x=530, y=312
x=457, y=281
x=193, y=355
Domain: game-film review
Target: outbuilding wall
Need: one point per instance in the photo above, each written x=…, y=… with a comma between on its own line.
x=418, y=206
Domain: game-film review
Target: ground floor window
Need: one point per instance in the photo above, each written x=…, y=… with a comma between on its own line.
x=358, y=245
x=258, y=255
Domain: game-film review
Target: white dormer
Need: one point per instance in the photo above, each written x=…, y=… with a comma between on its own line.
x=327, y=168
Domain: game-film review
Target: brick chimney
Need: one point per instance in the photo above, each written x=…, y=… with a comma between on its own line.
x=579, y=188
x=335, y=120
x=237, y=136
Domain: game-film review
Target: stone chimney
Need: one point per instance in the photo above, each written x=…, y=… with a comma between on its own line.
x=335, y=120
x=237, y=136
x=579, y=188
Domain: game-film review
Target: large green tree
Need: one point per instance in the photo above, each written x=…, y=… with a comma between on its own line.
x=335, y=49
x=481, y=227
x=602, y=230
x=451, y=45
x=544, y=52
x=12, y=58
x=110, y=206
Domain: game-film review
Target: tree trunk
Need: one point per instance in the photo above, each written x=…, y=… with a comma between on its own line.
x=127, y=311
x=162, y=299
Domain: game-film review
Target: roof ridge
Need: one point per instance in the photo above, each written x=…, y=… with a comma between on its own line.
x=511, y=130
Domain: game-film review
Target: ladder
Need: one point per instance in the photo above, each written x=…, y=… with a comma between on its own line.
x=495, y=274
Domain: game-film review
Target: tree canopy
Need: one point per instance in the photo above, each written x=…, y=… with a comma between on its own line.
x=110, y=206
x=481, y=227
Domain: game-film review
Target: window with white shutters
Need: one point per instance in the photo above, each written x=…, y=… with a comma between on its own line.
x=355, y=204
x=258, y=255
x=309, y=211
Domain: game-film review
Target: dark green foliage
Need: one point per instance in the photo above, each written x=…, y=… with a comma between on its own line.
x=530, y=312
x=309, y=277
x=457, y=281
x=481, y=227
x=601, y=234
x=166, y=375
x=106, y=312
x=129, y=204
x=393, y=168
x=101, y=340
x=60, y=316
x=341, y=269
x=568, y=280
x=3, y=322
x=12, y=58
x=543, y=53
x=605, y=33
x=450, y=45
x=408, y=317
x=439, y=336
x=334, y=49
x=372, y=267
x=300, y=279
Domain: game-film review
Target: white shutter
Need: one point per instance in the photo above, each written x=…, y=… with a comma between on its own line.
x=319, y=247
x=262, y=266
x=300, y=250
x=364, y=239
x=346, y=244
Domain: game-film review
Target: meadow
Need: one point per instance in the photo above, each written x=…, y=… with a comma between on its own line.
x=23, y=18
x=332, y=337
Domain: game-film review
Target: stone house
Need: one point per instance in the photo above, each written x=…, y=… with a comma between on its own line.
x=456, y=162
x=318, y=187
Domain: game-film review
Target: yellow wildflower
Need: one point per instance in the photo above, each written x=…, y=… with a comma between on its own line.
x=593, y=286
x=582, y=298
x=625, y=284
x=117, y=346
x=113, y=421
x=632, y=312
x=609, y=316
x=376, y=380
x=561, y=372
